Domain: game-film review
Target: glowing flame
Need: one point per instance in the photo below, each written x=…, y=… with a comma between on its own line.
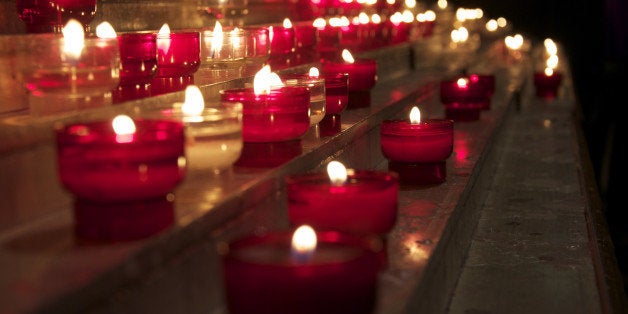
x=391, y=2
x=442, y=4
x=73, y=39
x=491, y=25
x=124, y=127
x=376, y=19
x=194, y=102
x=552, y=61
x=314, y=72
x=235, y=38
x=396, y=18
x=462, y=82
x=550, y=46
x=337, y=173
x=105, y=30
x=501, y=22
x=163, y=44
x=549, y=71
x=415, y=115
x=303, y=243
x=287, y=23
x=164, y=30
x=217, y=39
x=319, y=23
x=514, y=42
x=363, y=18
x=264, y=79
x=346, y=55
x=410, y=3
x=460, y=35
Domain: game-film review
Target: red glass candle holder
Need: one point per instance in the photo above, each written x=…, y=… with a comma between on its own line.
x=336, y=92
x=268, y=155
x=98, y=165
x=305, y=34
x=487, y=81
x=366, y=203
x=47, y=16
x=282, y=40
x=316, y=86
x=463, y=102
x=138, y=58
x=418, y=151
x=362, y=73
x=122, y=221
x=178, y=54
x=547, y=85
x=339, y=278
x=328, y=41
x=280, y=115
x=257, y=45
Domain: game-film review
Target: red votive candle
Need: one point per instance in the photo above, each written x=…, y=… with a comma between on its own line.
x=279, y=115
x=339, y=276
x=362, y=72
x=178, y=53
x=138, y=58
x=488, y=83
x=547, y=85
x=365, y=203
x=463, y=99
x=417, y=151
x=282, y=38
x=336, y=92
x=100, y=164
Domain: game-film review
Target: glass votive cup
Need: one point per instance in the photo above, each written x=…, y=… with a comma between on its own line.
x=336, y=92
x=282, y=40
x=463, y=102
x=59, y=81
x=257, y=45
x=213, y=137
x=316, y=86
x=178, y=54
x=226, y=49
x=546, y=86
x=138, y=58
x=279, y=115
x=97, y=164
x=49, y=16
x=362, y=73
x=339, y=277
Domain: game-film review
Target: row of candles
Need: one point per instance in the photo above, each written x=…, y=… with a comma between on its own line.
x=333, y=268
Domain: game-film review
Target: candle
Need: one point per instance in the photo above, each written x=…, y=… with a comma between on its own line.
x=463, y=99
x=47, y=16
x=487, y=81
x=417, y=150
x=122, y=221
x=223, y=49
x=284, y=272
x=268, y=155
x=282, y=38
x=121, y=160
x=213, y=133
x=178, y=53
x=316, y=87
x=257, y=46
x=330, y=125
x=328, y=38
x=362, y=72
x=271, y=114
x=138, y=58
x=547, y=83
x=70, y=72
x=336, y=90
x=356, y=201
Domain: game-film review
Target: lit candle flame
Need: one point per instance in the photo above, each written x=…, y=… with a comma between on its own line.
x=442, y=4
x=73, y=39
x=501, y=22
x=415, y=115
x=313, y=72
x=376, y=19
x=319, y=23
x=287, y=23
x=346, y=55
x=217, y=38
x=492, y=25
x=194, y=102
x=462, y=82
x=124, y=127
x=304, y=243
x=550, y=46
x=164, y=30
x=337, y=173
x=163, y=44
x=514, y=42
x=265, y=79
x=549, y=71
x=407, y=16
x=460, y=35
x=105, y=30
x=363, y=18
x=396, y=18
x=552, y=61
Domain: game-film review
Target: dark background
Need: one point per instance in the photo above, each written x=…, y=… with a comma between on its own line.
x=594, y=36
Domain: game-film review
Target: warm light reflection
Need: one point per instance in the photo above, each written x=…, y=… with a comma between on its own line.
x=73, y=39
x=415, y=115
x=347, y=56
x=105, y=30
x=124, y=127
x=287, y=23
x=416, y=251
x=314, y=72
x=304, y=243
x=549, y=71
x=337, y=173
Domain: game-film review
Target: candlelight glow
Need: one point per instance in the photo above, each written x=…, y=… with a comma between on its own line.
x=105, y=30
x=459, y=35
x=287, y=23
x=514, y=42
x=415, y=115
x=235, y=39
x=303, y=242
x=124, y=127
x=550, y=46
x=391, y=2
x=428, y=15
x=552, y=61
x=264, y=79
x=346, y=55
x=164, y=44
x=501, y=22
x=217, y=38
x=314, y=72
x=337, y=173
x=407, y=16
x=442, y=4
x=363, y=18
x=396, y=18
x=375, y=18
x=549, y=71
x=462, y=82
x=164, y=30
x=319, y=23
x=194, y=102
x=491, y=25
x=410, y=3
x=73, y=39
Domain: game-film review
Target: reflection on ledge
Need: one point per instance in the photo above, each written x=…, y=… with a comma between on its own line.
x=267, y=155
x=330, y=125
